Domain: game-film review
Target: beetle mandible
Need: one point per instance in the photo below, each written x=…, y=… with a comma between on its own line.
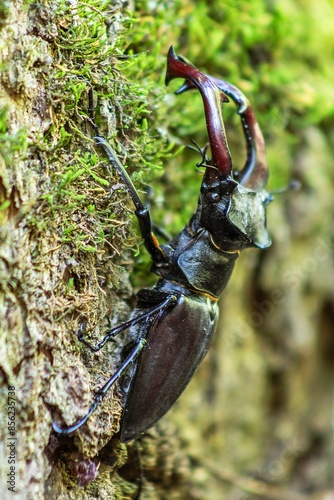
x=172, y=326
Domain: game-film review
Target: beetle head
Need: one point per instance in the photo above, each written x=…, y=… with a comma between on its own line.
x=231, y=207
x=234, y=215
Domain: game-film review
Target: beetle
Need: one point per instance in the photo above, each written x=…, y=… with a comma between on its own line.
x=172, y=326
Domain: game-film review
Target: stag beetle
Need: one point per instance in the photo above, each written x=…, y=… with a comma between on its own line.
x=172, y=326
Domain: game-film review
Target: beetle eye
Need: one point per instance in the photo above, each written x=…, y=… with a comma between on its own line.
x=212, y=197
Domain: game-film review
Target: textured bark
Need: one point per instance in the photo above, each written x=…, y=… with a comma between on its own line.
x=57, y=269
x=256, y=421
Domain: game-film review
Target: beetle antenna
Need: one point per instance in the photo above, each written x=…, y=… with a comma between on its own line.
x=202, y=151
x=294, y=185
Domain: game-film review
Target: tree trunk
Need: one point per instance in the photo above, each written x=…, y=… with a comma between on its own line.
x=256, y=421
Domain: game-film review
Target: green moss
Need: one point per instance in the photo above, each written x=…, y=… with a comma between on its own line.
x=11, y=144
x=4, y=9
x=13, y=148
x=122, y=82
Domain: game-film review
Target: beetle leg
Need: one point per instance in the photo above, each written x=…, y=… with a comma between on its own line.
x=142, y=213
x=170, y=300
x=102, y=392
x=158, y=310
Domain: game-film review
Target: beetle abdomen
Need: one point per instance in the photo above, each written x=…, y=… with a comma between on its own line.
x=176, y=344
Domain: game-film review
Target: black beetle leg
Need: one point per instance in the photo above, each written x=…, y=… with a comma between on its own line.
x=158, y=310
x=102, y=392
x=142, y=212
x=171, y=299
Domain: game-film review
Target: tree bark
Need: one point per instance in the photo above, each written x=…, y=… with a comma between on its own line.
x=256, y=421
